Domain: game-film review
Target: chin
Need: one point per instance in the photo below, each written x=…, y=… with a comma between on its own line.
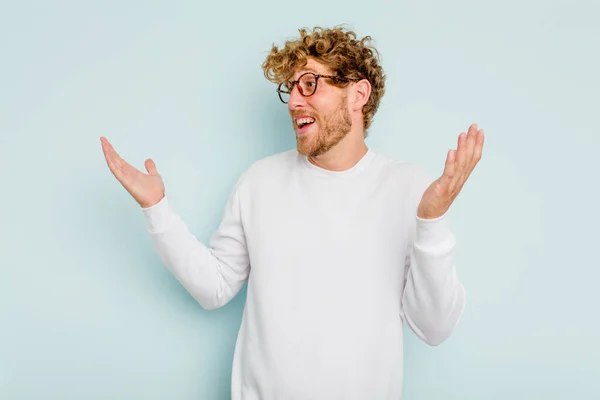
x=305, y=144
x=303, y=150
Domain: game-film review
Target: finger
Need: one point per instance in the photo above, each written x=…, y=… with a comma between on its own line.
x=451, y=170
x=115, y=163
x=461, y=155
x=471, y=141
x=469, y=150
x=478, y=147
x=109, y=151
x=476, y=153
x=449, y=167
x=105, y=146
x=151, y=167
x=109, y=154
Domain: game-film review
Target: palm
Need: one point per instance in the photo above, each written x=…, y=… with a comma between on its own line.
x=147, y=189
x=460, y=163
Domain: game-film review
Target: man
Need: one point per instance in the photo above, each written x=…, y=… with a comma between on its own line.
x=339, y=244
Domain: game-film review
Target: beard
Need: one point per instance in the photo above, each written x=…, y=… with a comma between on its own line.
x=331, y=129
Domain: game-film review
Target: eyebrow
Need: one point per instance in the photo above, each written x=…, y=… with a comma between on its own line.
x=309, y=70
x=303, y=70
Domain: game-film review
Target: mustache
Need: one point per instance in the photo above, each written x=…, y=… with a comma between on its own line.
x=297, y=114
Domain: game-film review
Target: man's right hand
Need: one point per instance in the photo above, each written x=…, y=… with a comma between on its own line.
x=146, y=189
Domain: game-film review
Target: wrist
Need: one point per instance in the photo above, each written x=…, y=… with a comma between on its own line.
x=431, y=213
x=150, y=203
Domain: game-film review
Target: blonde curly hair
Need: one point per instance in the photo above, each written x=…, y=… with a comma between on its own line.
x=341, y=51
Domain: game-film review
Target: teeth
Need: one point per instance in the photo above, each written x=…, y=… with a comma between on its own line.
x=303, y=121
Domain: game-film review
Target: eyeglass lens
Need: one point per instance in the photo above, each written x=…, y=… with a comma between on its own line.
x=307, y=85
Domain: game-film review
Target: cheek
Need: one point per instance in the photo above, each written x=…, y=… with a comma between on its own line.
x=320, y=109
x=326, y=106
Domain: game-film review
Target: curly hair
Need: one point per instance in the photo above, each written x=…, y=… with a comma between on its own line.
x=339, y=50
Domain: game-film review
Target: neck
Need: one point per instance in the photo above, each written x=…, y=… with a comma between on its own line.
x=344, y=155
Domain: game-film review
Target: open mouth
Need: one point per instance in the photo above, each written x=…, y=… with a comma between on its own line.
x=303, y=123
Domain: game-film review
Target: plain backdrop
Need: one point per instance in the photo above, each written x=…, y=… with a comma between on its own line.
x=88, y=311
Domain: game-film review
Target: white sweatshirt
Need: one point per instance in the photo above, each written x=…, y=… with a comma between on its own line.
x=335, y=263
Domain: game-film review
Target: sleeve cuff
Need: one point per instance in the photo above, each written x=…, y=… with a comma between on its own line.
x=159, y=216
x=434, y=233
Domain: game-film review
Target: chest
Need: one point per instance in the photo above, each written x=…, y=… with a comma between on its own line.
x=329, y=228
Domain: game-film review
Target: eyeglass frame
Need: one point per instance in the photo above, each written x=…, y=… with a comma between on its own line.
x=297, y=81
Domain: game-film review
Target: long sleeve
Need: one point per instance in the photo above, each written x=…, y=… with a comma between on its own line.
x=212, y=275
x=434, y=298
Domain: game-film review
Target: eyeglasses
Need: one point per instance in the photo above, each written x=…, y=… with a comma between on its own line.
x=307, y=85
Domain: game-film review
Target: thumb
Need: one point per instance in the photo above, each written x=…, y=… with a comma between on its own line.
x=151, y=167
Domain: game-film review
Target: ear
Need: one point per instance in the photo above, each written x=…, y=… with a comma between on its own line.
x=361, y=93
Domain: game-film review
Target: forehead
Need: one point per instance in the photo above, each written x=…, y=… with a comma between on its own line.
x=311, y=66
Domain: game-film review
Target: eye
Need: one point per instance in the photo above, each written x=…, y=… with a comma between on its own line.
x=286, y=87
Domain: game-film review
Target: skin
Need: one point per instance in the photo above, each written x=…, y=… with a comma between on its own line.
x=334, y=142
x=327, y=100
x=327, y=104
x=460, y=162
x=147, y=189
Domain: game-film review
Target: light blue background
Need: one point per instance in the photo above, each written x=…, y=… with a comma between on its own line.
x=87, y=310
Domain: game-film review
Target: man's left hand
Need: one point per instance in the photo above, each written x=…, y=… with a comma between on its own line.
x=460, y=162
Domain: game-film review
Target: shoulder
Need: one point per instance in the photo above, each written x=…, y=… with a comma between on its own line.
x=268, y=168
x=403, y=170
x=274, y=162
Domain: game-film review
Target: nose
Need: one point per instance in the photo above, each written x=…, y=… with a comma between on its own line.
x=296, y=100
